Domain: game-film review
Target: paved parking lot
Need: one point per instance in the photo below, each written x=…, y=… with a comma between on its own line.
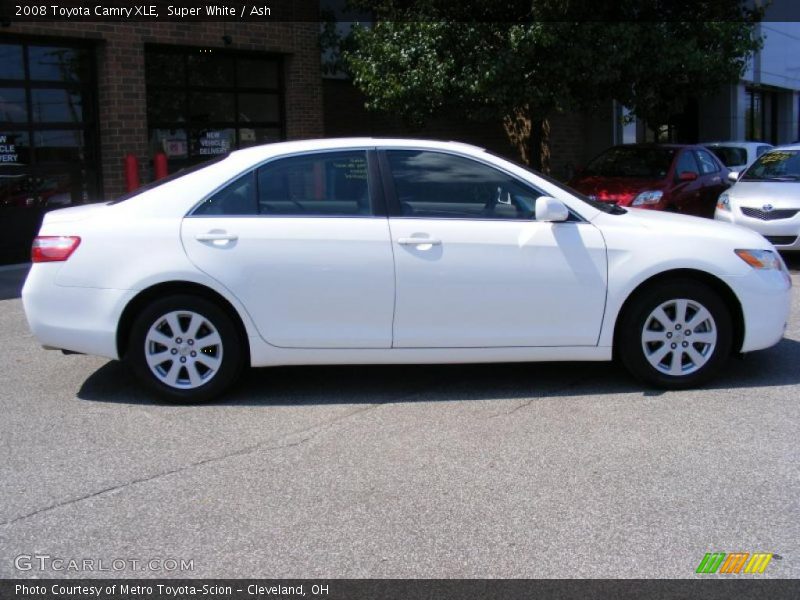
x=568, y=470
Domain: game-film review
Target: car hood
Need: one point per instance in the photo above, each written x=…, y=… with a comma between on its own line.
x=780, y=194
x=684, y=226
x=620, y=190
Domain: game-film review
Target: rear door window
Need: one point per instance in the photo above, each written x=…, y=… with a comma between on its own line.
x=324, y=184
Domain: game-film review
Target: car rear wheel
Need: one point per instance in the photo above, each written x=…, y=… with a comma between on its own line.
x=676, y=334
x=185, y=348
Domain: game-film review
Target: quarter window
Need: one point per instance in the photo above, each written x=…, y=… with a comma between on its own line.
x=439, y=185
x=333, y=184
x=237, y=198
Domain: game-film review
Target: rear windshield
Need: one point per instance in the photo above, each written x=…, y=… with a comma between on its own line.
x=631, y=161
x=176, y=175
x=729, y=155
x=777, y=165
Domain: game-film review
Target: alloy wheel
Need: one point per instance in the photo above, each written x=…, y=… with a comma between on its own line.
x=183, y=349
x=679, y=337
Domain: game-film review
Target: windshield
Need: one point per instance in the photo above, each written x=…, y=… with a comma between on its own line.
x=631, y=161
x=168, y=178
x=603, y=206
x=730, y=155
x=778, y=165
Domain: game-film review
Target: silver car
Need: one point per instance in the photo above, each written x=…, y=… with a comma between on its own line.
x=766, y=198
x=737, y=156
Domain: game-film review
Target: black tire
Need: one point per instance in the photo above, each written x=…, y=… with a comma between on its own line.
x=229, y=351
x=631, y=348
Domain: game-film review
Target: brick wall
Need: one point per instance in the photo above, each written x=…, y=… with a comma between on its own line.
x=121, y=82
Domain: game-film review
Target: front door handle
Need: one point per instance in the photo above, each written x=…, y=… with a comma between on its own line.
x=416, y=241
x=216, y=237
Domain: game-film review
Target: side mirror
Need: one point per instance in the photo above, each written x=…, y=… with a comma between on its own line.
x=687, y=176
x=733, y=176
x=551, y=210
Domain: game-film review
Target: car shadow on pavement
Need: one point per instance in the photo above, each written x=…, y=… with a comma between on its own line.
x=12, y=279
x=375, y=384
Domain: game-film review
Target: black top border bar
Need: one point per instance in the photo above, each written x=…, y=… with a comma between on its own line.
x=475, y=11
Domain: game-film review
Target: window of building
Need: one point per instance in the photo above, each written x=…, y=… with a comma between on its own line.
x=202, y=102
x=760, y=115
x=48, y=137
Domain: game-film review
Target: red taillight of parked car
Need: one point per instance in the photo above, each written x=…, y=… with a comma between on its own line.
x=53, y=248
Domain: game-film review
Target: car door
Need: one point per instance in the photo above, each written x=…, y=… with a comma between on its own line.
x=687, y=195
x=475, y=269
x=715, y=181
x=305, y=246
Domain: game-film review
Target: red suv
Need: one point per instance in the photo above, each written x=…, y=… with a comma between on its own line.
x=685, y=179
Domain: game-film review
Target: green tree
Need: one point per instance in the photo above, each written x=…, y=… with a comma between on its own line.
x=522, y=62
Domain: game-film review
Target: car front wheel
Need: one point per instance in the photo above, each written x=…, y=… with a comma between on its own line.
x=185, y=348
x=675, y=334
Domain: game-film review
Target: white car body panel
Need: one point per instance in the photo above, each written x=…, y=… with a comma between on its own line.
x=131, y=246
x=308, y=282
x=515, y=283
x=704, y=249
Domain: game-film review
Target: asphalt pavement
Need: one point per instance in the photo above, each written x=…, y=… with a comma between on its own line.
x=511, y=470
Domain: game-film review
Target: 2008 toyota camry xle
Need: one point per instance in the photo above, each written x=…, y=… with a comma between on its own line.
x=365, y=251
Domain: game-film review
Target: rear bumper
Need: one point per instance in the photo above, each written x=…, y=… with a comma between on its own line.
x=77, y=319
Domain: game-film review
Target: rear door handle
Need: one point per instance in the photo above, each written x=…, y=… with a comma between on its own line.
x=416, y=241
x=216, y=237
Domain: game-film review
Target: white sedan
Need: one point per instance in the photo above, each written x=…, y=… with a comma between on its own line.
x=365, y=251
x=766, y=198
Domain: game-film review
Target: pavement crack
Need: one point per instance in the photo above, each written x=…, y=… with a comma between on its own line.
x=530, y=401
x=259, y=447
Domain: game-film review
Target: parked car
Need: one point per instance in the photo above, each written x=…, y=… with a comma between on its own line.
x=364, y=251
x=766, y=198
x=686, y=179
x=737, y=156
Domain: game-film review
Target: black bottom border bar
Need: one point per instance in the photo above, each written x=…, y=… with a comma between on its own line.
x=711, y=588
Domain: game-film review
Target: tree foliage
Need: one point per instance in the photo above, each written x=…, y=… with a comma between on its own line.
x=521, y=62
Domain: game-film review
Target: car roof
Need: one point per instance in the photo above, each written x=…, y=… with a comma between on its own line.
x=290, y=147
x=669, y=145
x=737, y=144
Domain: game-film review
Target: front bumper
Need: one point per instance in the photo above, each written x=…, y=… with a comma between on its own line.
x=765, y=298
x=784, y=234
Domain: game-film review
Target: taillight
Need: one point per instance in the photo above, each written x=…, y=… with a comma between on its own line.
x=53, y=248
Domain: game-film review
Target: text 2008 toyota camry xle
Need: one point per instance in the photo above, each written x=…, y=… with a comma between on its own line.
x=366, y=251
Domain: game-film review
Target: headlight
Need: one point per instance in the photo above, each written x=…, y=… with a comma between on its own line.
x=724, y=201
x=650, y=197
x=760, y=259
